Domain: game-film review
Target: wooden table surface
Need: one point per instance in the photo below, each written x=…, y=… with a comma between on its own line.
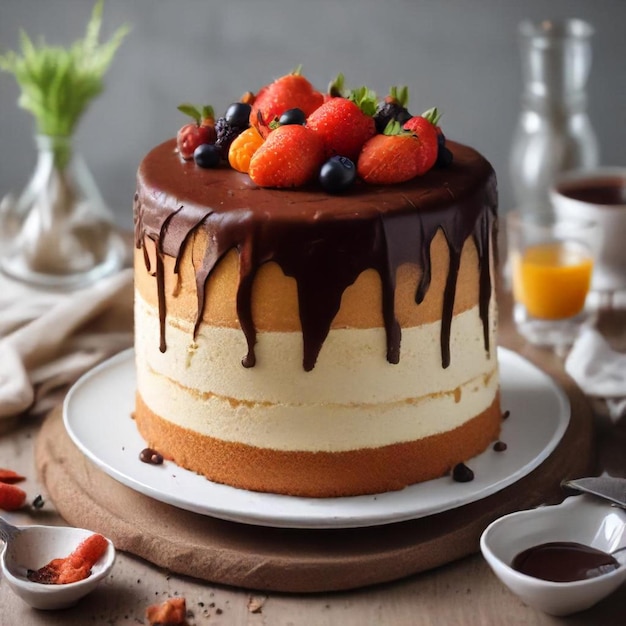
x=462, y=593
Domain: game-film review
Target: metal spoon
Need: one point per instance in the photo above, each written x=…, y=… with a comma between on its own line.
x=606, y=487
x=7, y=531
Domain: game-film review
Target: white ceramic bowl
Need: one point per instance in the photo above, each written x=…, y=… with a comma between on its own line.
x=582, y=519
x=34, y=547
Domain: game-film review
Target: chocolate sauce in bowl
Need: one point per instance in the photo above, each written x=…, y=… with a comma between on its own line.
x=564, y=561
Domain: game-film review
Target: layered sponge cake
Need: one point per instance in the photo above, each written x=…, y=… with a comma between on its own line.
x=302, y=343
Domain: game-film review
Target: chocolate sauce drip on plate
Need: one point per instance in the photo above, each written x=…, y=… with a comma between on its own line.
x=324, y=242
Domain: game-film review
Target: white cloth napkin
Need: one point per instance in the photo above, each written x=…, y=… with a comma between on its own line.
x=48, y=339
x=599, y=371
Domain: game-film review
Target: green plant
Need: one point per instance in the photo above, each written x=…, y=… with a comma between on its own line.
x=57, y=84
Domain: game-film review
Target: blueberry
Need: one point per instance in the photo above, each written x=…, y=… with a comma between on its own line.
x=238, y=114
x=444, y=157
x=292, y=116
x=207, y=155
x=337, y=174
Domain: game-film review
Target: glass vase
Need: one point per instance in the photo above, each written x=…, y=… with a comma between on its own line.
x=554, y=133
x=59, y=233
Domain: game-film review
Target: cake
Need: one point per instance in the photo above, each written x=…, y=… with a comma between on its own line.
x=304, y=343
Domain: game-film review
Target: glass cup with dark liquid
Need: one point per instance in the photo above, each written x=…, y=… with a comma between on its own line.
x=598, y=195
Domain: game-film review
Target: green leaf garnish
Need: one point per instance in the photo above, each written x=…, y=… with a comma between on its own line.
x=365, y=99
x=433, y=116
x=58, y=83
x=191, y=110
x=399, y=95
x=336, y=86
x=395, y=128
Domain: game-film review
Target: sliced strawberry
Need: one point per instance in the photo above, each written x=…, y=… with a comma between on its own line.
x=290, y=157
x=74, y=567
x=345, y=124
x=11, y=497
x=9, y=476
x=292, y=91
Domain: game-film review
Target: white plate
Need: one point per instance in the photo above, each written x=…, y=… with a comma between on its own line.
x=97, y=415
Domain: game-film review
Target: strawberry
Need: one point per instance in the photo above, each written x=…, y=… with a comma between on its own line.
x=290, y=157
x=292, y=91
x=11, y=497
x=394, y=157
x=444, y=156
x=428, y=136
x=190, y=136
x=345, y=124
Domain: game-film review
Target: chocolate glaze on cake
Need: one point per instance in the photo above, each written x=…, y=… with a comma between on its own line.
x=324, y=242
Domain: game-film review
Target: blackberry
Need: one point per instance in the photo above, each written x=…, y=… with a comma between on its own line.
x=226, y=134
x=390, y=111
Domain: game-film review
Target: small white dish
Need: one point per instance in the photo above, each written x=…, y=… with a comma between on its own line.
x=580, y=519
x=35, y=546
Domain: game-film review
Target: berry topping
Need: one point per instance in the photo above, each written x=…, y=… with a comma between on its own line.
x=226, y=133
x=396, y=156
x=207, y=155
x=287, y=92
x=337, y=174
x=238, y=114
x=393, y=109
x=190, y=136
x=427, y=134
x=290, y=157
x=243, y=147
x=292, y=116
x=444, y=156
x=345, y=124
x=289, y=134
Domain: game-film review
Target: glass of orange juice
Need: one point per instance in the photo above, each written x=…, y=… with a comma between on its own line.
x=551, y=263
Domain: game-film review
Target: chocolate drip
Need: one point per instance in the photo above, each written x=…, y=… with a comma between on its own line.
x=321, y=241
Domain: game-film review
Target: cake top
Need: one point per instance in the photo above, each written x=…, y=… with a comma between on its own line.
x=174, y=181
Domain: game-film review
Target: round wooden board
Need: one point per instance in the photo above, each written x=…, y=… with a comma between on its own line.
x=293, y=560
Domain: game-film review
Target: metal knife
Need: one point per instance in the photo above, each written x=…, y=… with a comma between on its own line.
x=607, y=487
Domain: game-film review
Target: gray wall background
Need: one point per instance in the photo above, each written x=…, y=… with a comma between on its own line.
x=460, y=55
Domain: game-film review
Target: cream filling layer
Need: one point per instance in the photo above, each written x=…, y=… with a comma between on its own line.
x=351, y=367
x=323, y=426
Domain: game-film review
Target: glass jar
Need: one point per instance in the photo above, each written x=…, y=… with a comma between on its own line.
x=59, y=232
x=554, y=132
